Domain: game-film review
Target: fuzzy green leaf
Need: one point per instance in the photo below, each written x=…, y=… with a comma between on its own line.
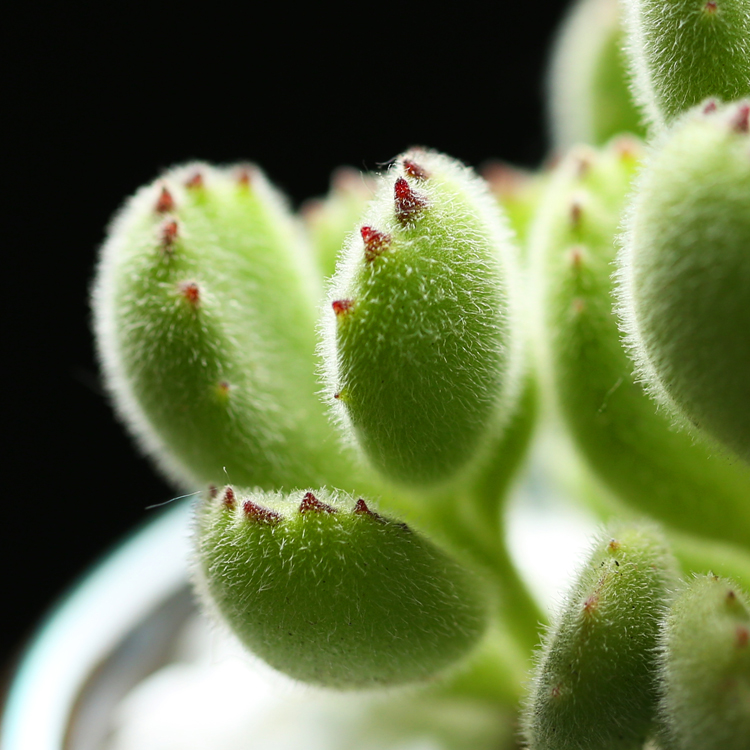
x=205, y=305
x=595, y=685
x=589, y=86
x=706, y=668
x=684, y=51
x=630, y=443
x=686, y=274
x=329, y=592
x=423, y=349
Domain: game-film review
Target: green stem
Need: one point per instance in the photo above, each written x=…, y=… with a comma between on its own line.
x=481, y=539
x=496, y=673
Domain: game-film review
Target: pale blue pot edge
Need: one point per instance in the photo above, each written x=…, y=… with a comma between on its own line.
x=88, y=623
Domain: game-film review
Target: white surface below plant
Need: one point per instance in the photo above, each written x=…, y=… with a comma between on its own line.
x=221, y=699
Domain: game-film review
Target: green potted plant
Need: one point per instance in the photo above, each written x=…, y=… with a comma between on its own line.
x=356, y=421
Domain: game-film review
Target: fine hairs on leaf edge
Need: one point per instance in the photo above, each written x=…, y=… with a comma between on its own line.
x=641, y=87
x=644, y=372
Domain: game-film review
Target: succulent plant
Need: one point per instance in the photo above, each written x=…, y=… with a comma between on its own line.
x=356, y=424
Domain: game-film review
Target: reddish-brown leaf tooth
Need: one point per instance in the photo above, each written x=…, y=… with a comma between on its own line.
x=627, y=147
x=195, y=182
x=551, y=162
x=742, y=636
x=310, y=503
x=228, y=498
x=741, y=120
x=213, y=491
x=191, y=292
x=408, y=203
x=244, y=176
x=375, y=242
x=583, y=165
x=710, y=107
x=576, y=211
x=165, y=202
x=342, y=306
x=337, y=395
x=415, y=170
x=352, y=181
x=260, y=514
x=361, y=509
x=591, y=604
x=312, y=209
x=710, y=7
x=504, y=180
x=169, y=232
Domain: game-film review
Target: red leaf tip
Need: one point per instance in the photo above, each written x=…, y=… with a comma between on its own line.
x=408, y=203
x=742, y=636
x=576, y=212
x=244, y=175
x=310, y=503
x=260, y=514
x=583, y=164
x=169, y=233
x=710, y=6
x=627, y=147
x=351, y=181
x=342, y=306
x=228, y=498
x=412, y=169
x=375, y=242
x=361, y=509
x=576, y=260
x=591, y=604
x=709, y=107
x=191, y=292
x=741, y=120
x=505, y=180
x=195, y=182
x=165, y=202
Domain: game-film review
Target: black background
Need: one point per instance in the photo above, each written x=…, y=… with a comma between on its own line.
x=98, y=103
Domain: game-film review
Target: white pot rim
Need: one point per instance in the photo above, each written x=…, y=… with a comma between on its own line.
x=88, y=624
